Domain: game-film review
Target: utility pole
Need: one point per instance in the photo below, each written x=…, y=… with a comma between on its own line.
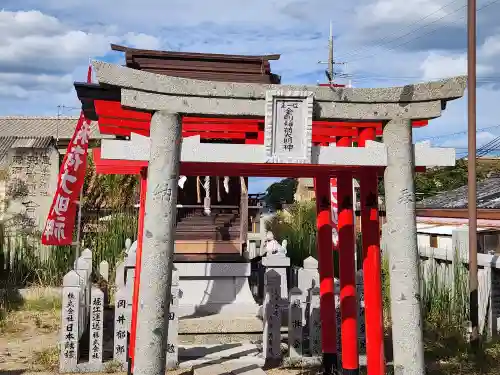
x=472, y=206
x=330, y=73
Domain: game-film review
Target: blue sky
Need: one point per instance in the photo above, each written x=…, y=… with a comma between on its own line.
x=47, y=44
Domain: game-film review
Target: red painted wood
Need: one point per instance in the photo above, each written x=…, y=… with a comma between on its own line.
x=208, y=120
x=138, y=262
x=236, y=127
x=349, y=124
x=334, y=131
x=113, y=130
x=366, y=134
x=114, y=109
x=344, y=142
x=117, y=166
x=113, y=114
x=347, y=267
x=215, y=135
x=372, y=273
x=124, y=123
x=325, y=260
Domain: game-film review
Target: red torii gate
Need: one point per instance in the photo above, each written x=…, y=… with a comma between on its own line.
x=113, y=119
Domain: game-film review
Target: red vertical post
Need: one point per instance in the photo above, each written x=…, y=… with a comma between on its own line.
x=138, y=259
x=326, y=286
x=348, y=299
x=372, y=266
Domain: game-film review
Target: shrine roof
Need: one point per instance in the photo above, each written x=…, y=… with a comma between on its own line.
x=209, y=66
x=43, y=126
x=488, y=196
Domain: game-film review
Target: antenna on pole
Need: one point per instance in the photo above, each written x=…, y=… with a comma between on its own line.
x=330, y=72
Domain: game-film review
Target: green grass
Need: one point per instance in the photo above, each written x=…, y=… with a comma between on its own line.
x=46, y=359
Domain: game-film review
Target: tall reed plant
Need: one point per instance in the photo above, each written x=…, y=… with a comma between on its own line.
x=25, y=261
x=297, y=225
x=445, y=297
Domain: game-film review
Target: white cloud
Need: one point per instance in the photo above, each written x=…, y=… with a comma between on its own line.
x=49, y=47
x=438, y=65
x=399, y=12
x=142, y=40
x=491, y=46
x=40, y=53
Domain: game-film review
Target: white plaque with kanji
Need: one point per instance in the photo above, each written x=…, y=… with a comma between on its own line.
x=288, y=127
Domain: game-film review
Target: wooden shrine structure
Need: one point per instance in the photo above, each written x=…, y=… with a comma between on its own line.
x=308, y=131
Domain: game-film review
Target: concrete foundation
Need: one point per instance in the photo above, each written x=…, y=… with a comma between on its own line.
x=213, y=288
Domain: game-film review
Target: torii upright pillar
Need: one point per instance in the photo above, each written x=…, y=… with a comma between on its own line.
x=326, y=276
x=158, y=244
x=370, y=230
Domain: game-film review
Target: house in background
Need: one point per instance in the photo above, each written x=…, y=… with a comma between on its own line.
x=31, y=151
x=438, y=215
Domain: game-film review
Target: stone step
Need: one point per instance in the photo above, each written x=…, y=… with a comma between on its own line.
x=220, y=329
x=228, y=369
x=240, y=355
x=193, y=236
x=208, y=236
x=206, y=227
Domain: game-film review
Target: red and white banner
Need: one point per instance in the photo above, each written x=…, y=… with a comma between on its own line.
x=335, y=211
x=61, y=218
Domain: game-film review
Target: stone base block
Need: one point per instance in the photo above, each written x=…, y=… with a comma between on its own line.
x=213, y=288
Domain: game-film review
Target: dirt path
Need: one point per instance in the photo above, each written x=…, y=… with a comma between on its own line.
x=28, y=339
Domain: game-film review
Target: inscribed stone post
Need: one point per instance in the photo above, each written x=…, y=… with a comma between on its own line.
x=82, y=268
x=158, y=243
x=308, y=276
x=104, y=270
x=272, y=315
x=122, y=325
x=338, y=319
x=278, y=264
x=120, y=275
x=314, y=323
x=96, y=328
x=296, y=323
x=69, y=326
x=173, y=324
x=360, y=292
x=104, y=273
x=87, y=255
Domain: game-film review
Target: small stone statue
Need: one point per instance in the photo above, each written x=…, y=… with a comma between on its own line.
x=273, y=247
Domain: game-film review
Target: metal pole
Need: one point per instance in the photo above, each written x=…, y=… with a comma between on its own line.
x=79, y=224
x=330, y=53
x=471, y=110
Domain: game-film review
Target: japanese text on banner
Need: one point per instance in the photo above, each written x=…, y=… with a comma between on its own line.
x=61, y=218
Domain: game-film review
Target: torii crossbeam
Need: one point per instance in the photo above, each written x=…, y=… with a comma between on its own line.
x=286, y=152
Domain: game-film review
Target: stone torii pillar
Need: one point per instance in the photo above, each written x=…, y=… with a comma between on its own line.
x=158, y=244
x=396, y=107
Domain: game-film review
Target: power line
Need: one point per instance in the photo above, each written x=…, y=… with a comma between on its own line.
x=484, y=79
x=427, y=33
x=457, y=133
x=379, y=44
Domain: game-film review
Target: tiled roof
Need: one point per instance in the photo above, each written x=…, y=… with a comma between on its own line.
x=488, y=196
x=55, y=127
x=7, y=143
x=38, y=142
